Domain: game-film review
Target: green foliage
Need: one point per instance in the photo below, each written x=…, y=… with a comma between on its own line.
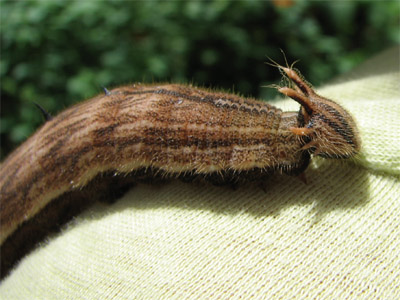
x=56, y=53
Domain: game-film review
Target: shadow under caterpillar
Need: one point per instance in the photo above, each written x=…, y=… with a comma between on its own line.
x=99, y=148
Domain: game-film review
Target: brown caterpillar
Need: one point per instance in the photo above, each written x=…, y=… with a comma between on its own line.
x=133, y=133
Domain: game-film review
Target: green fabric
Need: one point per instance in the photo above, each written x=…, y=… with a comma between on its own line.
x=336, y=237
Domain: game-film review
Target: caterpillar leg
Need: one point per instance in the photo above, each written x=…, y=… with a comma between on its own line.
x=302, y=177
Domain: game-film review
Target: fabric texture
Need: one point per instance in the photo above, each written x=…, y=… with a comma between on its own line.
x=337, y=237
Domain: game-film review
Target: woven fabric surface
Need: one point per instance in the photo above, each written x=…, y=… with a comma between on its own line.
x=337, y=237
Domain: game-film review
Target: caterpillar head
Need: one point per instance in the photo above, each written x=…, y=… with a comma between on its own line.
x=329, y=129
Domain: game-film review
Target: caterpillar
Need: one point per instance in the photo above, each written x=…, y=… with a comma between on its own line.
x=99, y=148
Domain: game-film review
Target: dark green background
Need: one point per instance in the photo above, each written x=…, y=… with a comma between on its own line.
x=57, y=53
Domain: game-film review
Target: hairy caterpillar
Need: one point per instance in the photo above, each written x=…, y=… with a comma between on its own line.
x=100, y=147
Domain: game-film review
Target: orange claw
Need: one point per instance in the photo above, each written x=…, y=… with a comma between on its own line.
x=299, y=97
x=301, y=130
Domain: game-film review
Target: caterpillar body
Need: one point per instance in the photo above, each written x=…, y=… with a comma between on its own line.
x=133, y=133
